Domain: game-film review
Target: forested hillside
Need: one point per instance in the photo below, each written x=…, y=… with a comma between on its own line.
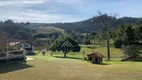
x=91, y=25
x=13, y=29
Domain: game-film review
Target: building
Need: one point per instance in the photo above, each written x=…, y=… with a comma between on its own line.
x=7, y=51
x=28, y=47
x=95, y=57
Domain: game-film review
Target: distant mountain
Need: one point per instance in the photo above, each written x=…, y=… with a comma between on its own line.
x=91, y=25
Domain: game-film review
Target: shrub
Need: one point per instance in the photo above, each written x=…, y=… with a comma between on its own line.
x=132, y=51
x=118, y=43
x=87, y=42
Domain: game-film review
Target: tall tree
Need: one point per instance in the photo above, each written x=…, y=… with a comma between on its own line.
x=66, y=45
x=107, y=24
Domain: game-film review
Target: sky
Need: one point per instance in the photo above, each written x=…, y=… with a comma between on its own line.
x=52, y=11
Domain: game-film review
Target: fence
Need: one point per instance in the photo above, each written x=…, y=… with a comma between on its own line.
x=11, y=55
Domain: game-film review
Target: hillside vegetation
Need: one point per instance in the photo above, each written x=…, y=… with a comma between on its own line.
x=49, y=30
x=91, y=25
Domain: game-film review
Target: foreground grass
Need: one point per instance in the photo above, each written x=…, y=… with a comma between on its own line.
x=72, y=68
x=53, y=68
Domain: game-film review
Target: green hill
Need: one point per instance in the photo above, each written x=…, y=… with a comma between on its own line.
x=91, y=25
x=48, y=29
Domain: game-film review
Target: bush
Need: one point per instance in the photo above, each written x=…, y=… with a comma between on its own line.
x=87, y=42
x=118, y=43
x=132, y=51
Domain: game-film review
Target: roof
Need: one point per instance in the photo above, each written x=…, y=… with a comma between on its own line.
x=17, y=36
x=96, y=54
x=30, y=43
x=4, y=38
x=13, y=43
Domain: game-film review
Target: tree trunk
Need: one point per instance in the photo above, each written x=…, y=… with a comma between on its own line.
x=108, y=50
x=65, y=54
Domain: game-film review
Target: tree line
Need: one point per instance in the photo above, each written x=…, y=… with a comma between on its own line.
x=13, y=29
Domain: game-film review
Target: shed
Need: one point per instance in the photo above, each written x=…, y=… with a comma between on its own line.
x=95, y=57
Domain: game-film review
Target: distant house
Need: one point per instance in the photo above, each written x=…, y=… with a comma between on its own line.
x=7, y=52
x=95, y=57
x=28, y=47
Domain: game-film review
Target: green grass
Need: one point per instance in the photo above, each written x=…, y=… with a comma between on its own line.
x=72, y=68
x=115, y=53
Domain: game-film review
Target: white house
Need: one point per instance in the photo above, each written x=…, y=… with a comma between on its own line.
x=28, y=47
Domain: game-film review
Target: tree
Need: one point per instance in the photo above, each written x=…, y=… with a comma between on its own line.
x=130, y=35
x=15, y=28
x=132, y=51
x=138, y=32
x=120, y=32
x=68, y=31
x=8, y=22
x=118, y=43
x=65, y=45
x=99, y=39
x=106, y=28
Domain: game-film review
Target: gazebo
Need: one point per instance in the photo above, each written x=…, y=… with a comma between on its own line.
x=95, y=57
x=5, y=52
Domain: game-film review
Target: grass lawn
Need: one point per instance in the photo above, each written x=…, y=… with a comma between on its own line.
x=72, y=68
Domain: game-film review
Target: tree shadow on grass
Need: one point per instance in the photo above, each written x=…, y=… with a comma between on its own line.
x=100, y=63
x=80, y=59
x=9, y=66
x=137, y=61
x=69, y=57
x=103, y=64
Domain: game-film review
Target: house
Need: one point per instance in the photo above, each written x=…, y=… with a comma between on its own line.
x=28, y=47
x=95, y=57
x=6, y=51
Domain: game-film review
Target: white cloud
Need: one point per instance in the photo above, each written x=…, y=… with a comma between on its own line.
x=58, y=10
x=33, y=1
x=2, y=4
x=6, y=3
x=43, y=11
x=21, y=2
x=42, y=17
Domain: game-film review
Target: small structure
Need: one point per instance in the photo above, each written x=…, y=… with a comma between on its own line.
x=7, y=52
x=95, y=57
